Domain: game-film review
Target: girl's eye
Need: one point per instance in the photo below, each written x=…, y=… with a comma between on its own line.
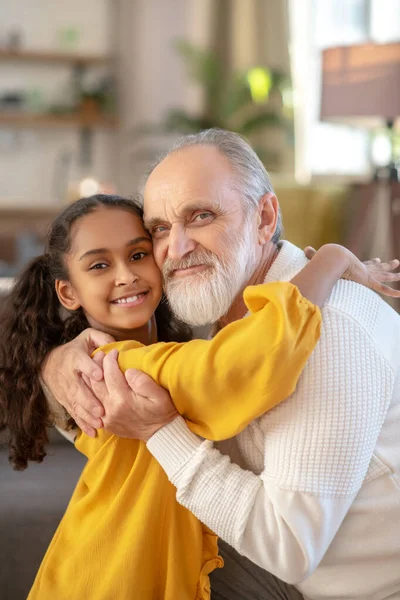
x=138, y=255
x=98, y=266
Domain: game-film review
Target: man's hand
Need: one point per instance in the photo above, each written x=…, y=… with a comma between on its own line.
x=135, y=406
x=63, y=373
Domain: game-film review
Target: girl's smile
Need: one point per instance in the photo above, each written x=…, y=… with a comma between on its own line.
x=128, y=301
x=112, y=273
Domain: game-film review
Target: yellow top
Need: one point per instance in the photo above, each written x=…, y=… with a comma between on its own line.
x=124, y=536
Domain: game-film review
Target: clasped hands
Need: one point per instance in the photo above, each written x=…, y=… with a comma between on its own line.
x=134, y=405
x=97, y=394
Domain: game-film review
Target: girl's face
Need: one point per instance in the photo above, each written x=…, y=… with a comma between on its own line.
x=112, y=273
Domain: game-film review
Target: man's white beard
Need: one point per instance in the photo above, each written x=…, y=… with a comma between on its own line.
x=205, y=297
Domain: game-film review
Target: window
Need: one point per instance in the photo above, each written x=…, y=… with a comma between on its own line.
x=322, y=148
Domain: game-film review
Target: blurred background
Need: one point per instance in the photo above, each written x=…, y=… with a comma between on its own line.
x=91, y=92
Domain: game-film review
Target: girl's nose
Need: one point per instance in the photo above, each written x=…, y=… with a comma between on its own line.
x=125, y=276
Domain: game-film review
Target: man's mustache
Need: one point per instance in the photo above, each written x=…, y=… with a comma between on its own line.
x=195, y=259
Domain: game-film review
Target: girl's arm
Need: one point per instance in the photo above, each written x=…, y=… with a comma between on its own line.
x=251, y=365
x=221, y=385
x=332, y=262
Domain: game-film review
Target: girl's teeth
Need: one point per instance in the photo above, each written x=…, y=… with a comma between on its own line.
x=125, y=300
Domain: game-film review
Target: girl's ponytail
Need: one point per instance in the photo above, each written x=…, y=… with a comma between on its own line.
x=30, y=326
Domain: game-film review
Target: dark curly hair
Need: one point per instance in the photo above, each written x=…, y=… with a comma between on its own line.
x=31, y=325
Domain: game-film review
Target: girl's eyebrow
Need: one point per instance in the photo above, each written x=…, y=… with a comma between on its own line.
x=137, y=240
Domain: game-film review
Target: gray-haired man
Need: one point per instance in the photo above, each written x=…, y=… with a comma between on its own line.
x=311, y=491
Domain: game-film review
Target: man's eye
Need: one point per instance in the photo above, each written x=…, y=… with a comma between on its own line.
x=98, y=266
x=138, y=255
x=203, y=216
x=159, y=229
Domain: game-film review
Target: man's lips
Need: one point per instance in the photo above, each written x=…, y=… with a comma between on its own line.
x=188, y=271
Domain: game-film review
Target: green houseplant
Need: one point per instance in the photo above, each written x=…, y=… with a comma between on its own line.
x=246, y=102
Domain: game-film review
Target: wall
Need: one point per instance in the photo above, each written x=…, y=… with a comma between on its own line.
x=31, y=161
x=151, y=78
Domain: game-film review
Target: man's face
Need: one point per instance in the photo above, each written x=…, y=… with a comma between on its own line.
x=203, y=240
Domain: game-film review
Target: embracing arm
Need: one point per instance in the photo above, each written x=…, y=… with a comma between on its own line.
x=260, y=357
x=65, y=367
x=317, y=449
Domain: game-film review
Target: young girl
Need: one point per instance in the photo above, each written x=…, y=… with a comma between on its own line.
x=99, y=267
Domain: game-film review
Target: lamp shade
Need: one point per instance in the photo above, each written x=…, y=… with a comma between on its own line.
x=361, y=84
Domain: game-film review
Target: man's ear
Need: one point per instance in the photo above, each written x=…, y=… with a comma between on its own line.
x=268, y=210
x=66, y=295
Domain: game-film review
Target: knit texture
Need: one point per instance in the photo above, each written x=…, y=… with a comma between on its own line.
x=162, y=551
x=311, y=490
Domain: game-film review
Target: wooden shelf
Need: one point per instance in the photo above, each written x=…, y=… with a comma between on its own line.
x=69, y=58
x=9, y=210
x=32, y=120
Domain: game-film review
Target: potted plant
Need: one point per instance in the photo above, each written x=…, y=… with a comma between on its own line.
x=246, y=102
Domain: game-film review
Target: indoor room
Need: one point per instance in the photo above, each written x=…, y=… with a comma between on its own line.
x=168, y=167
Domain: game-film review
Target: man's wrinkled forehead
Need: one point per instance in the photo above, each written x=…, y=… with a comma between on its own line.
x=199, y=176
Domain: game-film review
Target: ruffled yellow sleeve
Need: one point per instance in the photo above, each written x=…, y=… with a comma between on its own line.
x=250, y=366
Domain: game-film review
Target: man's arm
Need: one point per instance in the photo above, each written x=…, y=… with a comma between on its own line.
x=62, y=375
x=318, y=446
x=66, y=367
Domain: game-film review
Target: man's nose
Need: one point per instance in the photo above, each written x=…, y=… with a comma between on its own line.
x=179, y=242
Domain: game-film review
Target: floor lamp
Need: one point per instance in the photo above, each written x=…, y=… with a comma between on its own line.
x=361, y=87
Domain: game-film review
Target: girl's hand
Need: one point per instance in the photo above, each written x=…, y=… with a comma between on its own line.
x=371, y=273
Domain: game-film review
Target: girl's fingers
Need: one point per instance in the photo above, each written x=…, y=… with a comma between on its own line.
x=309, y=251
x=372, y=261
x=381, y=288
x=386, y=266
x=385, y=276
x=377, y=264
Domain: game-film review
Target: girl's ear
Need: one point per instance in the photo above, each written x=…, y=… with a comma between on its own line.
x=66, y=295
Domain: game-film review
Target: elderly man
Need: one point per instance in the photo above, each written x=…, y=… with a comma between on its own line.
x=310, y=492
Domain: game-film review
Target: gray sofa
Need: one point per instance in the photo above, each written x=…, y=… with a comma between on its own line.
x=32, y=503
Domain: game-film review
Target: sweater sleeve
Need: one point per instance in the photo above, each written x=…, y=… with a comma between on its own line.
x=317, y=449
x=260, y=357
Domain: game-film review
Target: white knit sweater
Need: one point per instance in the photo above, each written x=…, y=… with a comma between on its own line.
x=311, y=490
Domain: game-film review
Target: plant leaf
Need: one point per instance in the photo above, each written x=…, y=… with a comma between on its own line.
x=203, y=65
x=236, y=96
x=260, y=121
x=205, y=69
x=180, y=121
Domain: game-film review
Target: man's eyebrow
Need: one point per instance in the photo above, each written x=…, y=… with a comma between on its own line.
x=149, y=223
x=206, y=205
x=188, y=209
x=133, y=242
